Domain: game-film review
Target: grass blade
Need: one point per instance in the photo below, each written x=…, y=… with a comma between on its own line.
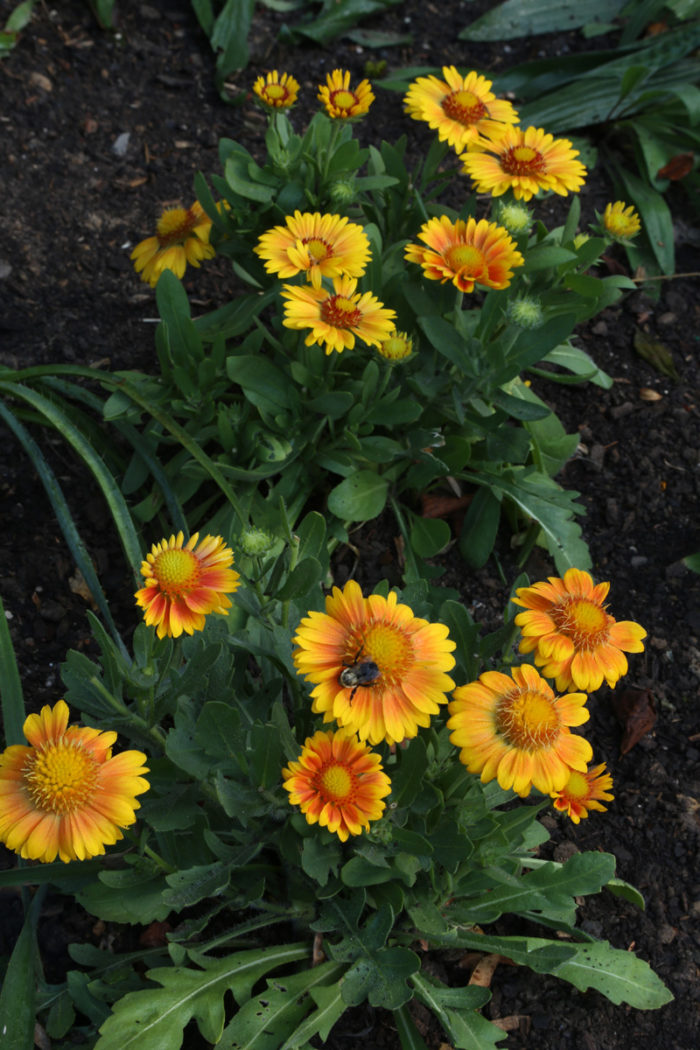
x=10, y=686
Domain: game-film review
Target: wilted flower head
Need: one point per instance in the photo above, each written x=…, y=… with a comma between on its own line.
x=65, y=794
x=343, y=102
x=277, y=90
x=182, y=237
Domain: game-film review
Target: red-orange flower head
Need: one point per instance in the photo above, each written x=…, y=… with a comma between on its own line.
x=338, y=783
x=376, y=668
x=584, y=791
x=573, y=637
x=466, y=253
x=184, y=582
x=517, y=731
x=66, y=795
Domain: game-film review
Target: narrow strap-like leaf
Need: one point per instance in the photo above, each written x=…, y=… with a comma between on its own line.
x=10, y=686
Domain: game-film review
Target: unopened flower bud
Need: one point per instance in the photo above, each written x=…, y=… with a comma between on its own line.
x=526, y=312
x=254, y=541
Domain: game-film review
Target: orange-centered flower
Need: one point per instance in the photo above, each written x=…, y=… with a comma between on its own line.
x=277, y=90
x=185, y=582
x=318, y=245
x=376, y=667
x=621, y=221
x=66, y=795
x=182, y=237
x=524, y=160
x=466, y=253
x=458, y=108
x=584, y=791
x=516, y=730
x=342, y=101
x=338, y=783
x=336, y=318
x=573, y=637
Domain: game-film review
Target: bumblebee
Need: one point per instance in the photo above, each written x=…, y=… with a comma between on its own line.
x=359, y=673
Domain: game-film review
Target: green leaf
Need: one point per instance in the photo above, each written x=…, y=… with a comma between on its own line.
x=657, y=223
x=192, y=885
x=301, y=580
x=580, y=363
x=429, y=536
x=17, y=995
x=360, y=497
x=229, y=37
x=618, y=974
x=409, y=1036
x=133, y=895
x=692, y=561
x=623, y=889
x=156, y=1018
x=263, y=384
x=381, y=978
x=521, y=18
x=456, y=1010
x=480, y=527
x=10, y=686
x=330, y=1006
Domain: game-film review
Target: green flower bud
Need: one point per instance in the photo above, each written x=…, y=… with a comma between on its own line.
x=343, y=192
x=526, y=312
x=254, y=541
x=515, y=217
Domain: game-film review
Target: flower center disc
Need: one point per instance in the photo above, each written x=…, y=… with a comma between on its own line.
x=275, y=91
x=60, y=777
x=464, y=107
x=527, y=720
x=343, y=99
x=176, y=570
x=466, y=259
x=317, y=249
x=336, y=782
x=522, y=160
x=391, y=651
x=583, y=620
x=340, y=312
x=174, y=226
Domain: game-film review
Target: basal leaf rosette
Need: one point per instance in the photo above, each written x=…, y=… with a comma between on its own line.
x=185, y=582
x=459, y=107
x=412, y=657
x=466, y=253
x=338, y=782
x=517, y=731
x=574, y=638
x=341, y=100
x=276, y=90
x=524, y=160
x=66, y=794
x=583, y=792
x=337, y=318
x=182, y=237
x=316, y=245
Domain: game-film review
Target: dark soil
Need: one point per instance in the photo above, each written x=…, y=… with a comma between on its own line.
x=72, y=208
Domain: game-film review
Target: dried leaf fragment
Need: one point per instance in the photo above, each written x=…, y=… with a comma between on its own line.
x=635, y=710
x=677, y=168
x=648, y=394
x=655, y=352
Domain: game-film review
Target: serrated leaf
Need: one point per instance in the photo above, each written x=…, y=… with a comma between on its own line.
x=381, y=978
x=132, y=895
x=618, y=974
x=156, y=1018
x=456, y=1010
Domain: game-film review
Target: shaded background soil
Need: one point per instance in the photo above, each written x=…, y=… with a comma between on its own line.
x=76, y=195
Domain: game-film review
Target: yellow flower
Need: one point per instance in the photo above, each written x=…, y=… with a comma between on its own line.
x=336, y=317
x=584, y=791
x=338, y=783
x=277, y=90
x=517, y=731
x=377, y=669
x=524, y=160
x=318, y=245
x=342, y=101
x=182, y=237
x=66, y=795
x=185, y=582
x=574, y=639
x=458, y=108
x=397, y=347
x=621, y=221
x=466, y=253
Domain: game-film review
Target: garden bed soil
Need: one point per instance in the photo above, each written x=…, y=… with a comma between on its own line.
x=77, y=195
